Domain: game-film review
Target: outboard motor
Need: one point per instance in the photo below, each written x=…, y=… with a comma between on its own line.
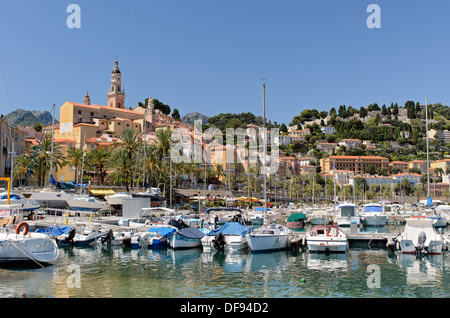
x=108, y=237
x=421, y=240
x=219, y=242
x=69, y=238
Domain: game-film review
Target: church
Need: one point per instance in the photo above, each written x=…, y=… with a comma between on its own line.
x=80, y=120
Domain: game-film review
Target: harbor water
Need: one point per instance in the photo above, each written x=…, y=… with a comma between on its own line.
x=104, y=272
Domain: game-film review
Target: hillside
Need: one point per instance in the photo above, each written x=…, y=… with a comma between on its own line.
x=28, y=118
x=191, y=117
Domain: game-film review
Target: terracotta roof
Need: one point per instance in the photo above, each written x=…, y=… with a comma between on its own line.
x=356, y=157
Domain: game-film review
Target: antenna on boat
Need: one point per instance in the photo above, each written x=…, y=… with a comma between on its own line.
x=265, y=147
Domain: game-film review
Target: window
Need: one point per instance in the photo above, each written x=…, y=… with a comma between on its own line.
x=92, y=146
x=79, y=112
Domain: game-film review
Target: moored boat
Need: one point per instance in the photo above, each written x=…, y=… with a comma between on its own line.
x=296, y=221
x=25, y=246
x=188, y=237
x=419, y=237
x=347, y=212
x=230, y=236
x=326, y=238
x=373, y=215
x=86, y=204
x=269, y=238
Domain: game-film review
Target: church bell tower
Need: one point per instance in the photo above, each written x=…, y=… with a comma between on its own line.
x=116, y=93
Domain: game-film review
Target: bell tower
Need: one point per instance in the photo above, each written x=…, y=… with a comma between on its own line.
x=116, y=93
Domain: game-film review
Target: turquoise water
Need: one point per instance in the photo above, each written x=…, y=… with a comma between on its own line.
x=125, y=273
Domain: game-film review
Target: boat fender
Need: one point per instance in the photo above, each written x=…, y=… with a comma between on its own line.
x=19, y=227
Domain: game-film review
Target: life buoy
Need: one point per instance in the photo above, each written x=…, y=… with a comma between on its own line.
x=19, y=227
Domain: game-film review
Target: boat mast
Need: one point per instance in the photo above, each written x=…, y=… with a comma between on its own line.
x=428, y=159
x=82, y=164
x=53, y=135
x=334, y=183
x=265, y=148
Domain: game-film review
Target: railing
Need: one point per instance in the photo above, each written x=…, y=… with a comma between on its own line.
x=66, y=217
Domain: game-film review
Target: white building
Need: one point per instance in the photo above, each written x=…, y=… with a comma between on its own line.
x=328, y=130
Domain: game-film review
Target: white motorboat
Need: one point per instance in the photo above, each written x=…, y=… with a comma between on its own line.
x=420, y=237
x=347, y=212
x=87, y=235
x=188, y=237
x=373, y=215
x=86, y=204
x=51, y=198
x=24, y=246
x=326, y=238
x=318, y=217
x=22, y=204
x=154, y=238
x=229, y=237
x=154, y=194
x=267, y=238
x=116, y=200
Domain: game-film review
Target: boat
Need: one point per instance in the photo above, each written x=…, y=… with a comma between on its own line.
x=221, y=215
x=154, y=238
x=269, y=238
x=148, y=217
x=154, y=194
x=326, y=238
x=85, y=236
x=25, y=246
x=22, y=204
x=347, y=212
x=52, y=198
x=296, y=221
x=86, y=204
x=116, y=200
x=230, y=236
x=188, y=237
x=256, y=217
x=420, y=237
x=373, y=215
x=318, y=217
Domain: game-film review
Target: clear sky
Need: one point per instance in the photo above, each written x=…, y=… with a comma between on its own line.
x=210, y=56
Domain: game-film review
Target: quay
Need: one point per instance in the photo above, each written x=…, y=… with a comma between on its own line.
x=62, y=217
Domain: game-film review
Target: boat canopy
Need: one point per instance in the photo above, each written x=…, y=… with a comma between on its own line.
x=55, y=230
x=373, y=208
x=296, y=217
x=164, y=231
x=191, y=232
x=230, y=228
x=348, y=209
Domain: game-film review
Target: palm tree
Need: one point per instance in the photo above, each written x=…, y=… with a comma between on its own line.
x=75, y=159
x=130, y=141
x=122, y=167
x=219, y=171
x=163, y=142
x=98, y=159
x=22, y=165
x=44, y=156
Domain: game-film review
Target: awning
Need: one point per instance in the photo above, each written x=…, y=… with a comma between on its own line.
x=102, y=192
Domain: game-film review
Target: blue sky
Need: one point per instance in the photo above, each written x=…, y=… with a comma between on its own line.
x=210, y=56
